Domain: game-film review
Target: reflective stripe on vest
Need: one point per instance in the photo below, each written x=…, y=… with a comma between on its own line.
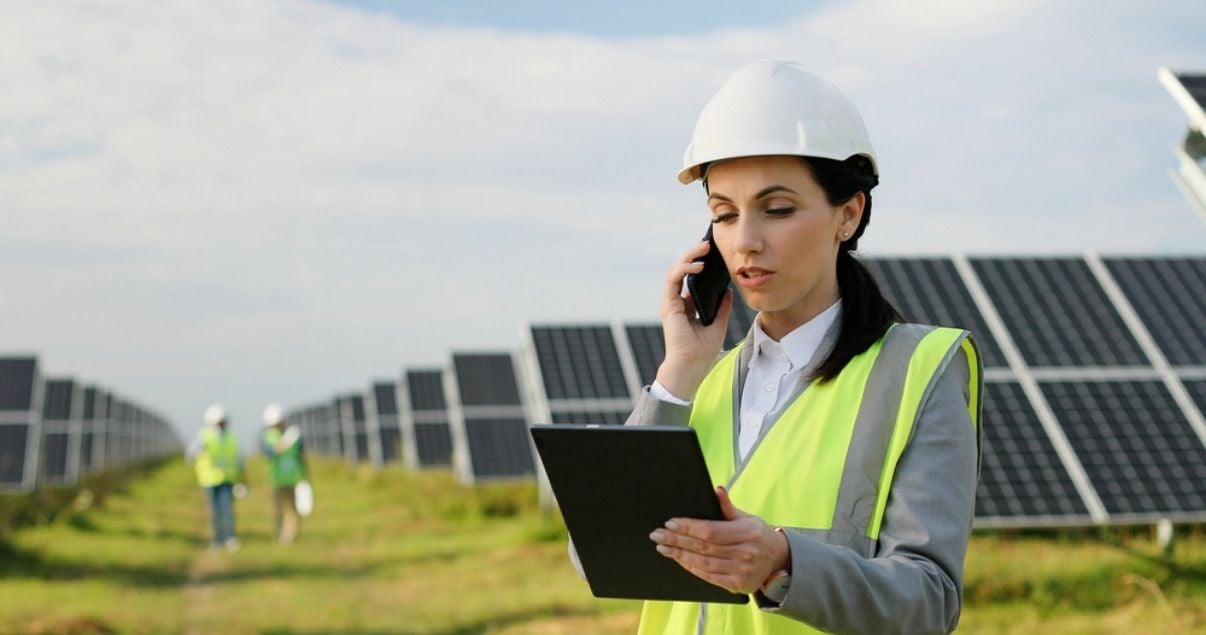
x=825, y=466
x=218, y=461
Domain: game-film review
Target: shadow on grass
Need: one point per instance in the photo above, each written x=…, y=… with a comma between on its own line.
x=18, y=562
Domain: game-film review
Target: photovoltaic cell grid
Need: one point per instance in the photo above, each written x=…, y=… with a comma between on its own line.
x=1195, y=85
x=13, y=441
x=590, y=416
x=486, y=379
x=1197, y=390
x=1021, y=476
x=385, y=407
x=930, y=291
x=1057, y=313
x=648, y=349
x=1169, y=294
x=1138, y=450
x=57, y=397
x=17, y=383
x=18, y=376
x=432, y=440
x=579, y=362
x=433, y=444
x=498, y=445
x=384, y=398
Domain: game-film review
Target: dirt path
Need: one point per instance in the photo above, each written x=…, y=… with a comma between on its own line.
x=198, y=592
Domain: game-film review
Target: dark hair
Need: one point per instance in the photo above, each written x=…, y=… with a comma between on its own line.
x=866, y=313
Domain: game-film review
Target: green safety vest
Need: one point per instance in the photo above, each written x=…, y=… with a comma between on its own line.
x=829, y=481
x=218, y=461
x=285, y=468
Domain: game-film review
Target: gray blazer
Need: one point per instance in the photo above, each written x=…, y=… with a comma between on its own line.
x=914, y=581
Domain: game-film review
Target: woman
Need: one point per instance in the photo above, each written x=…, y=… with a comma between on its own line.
x=846, y=442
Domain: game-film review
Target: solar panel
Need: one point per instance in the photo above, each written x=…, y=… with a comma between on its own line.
x=1141, y=454
x=20, y=422
x=1021, y=476
x=57, y=400
x=590, y=416
x=490, y=418
x=59, y=425
x=14, y=440
x=579, y=362
x=433, y=444
x=930, y=291
x=1169, y=294
x=426, y=389
x=648, y=349
x=426, y=438
x=498, y=447
x=381, y=410
x=485, y=379
x=1195, y=85
x=54, y=456
x=1197, y=390
x=17, y=378
x=1057, y=313
x=384, y=399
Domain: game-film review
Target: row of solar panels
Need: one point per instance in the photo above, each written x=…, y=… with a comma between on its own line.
x=1095, y=370
x=57, y=430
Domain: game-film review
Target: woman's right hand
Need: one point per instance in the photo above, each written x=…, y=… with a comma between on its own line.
x=691, y=347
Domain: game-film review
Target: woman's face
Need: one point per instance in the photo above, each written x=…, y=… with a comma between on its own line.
x=779, y=237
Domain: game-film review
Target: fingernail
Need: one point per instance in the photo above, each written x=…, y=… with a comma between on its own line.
x=657, y=536
x=663, y=549
x=671, y=525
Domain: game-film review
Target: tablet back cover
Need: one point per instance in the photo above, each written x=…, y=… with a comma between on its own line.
x=615, y=485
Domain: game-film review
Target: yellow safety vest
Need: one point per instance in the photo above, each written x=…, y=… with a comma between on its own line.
x=218, y=461
x=817, y=468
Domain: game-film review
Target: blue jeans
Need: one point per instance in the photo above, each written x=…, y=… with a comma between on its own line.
x=221, y=511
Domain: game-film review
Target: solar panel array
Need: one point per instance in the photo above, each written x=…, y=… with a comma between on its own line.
x=1095, y=372
x=58, y=431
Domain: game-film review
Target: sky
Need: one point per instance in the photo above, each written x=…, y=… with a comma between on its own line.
x=244, y=202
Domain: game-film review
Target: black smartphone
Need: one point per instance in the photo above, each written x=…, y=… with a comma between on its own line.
x=708, y=286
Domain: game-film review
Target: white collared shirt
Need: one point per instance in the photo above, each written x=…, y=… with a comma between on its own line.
x=775, y=368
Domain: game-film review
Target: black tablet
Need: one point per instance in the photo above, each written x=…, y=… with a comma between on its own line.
x=616, y=484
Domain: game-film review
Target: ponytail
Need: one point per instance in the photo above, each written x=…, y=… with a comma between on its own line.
x=866, y=313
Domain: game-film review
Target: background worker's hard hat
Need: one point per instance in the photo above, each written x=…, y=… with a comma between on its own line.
x=215, y=414
x=776, y=107
x=273, y=414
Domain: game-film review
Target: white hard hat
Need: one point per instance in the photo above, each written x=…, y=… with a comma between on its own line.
x=273, y=414
x=215, y=414
x=776, y=107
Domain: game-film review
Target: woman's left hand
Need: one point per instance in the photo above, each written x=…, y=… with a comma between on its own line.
x=738, y=553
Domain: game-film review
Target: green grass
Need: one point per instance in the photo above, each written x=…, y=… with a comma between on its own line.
x=396, y=552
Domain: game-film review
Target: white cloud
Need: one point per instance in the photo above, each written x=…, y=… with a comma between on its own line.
x=278, y=200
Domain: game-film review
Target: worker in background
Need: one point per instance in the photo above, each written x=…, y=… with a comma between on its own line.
x=282, y=445
x=219, y=467
x=846, y=440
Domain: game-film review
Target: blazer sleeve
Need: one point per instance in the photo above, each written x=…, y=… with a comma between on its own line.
x=914, y=582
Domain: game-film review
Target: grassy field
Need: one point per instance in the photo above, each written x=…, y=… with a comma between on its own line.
x=396, y=552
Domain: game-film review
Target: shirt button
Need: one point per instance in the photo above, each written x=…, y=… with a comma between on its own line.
x=770, y=388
